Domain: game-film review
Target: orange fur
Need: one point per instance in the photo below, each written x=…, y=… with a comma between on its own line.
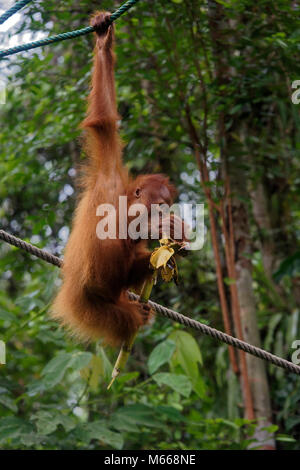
x=92, y=301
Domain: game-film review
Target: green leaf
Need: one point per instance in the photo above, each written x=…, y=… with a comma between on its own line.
x=171, y=413
x=47, y=421
x=9, y=403
x=187, y=353
x=55, y=370
x=5, y=315
x=160, y=355
x=93, y=372
x=11, y=427
x=199, y=387
x=131, y=416
x=122, y=379
x=80, y=359
x=107, y=366
x=288, y=267
x=99, y=430
x=284, y=438
x=179, y=383
x=122, y=422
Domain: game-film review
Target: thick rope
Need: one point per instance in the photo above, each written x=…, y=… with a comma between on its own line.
x=11, y=11
x=167, y=312
x=223, y=337
x=43, y=254
x=63, y=36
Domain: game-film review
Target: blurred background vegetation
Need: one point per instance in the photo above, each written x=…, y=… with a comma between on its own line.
x=201, y=85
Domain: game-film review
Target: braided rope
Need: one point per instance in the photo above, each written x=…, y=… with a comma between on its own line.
x=43, y=254
x=223, y=337
x=11, y=11
x=63, y=36
x=167, y=312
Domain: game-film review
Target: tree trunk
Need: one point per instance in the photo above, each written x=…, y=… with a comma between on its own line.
x=262, y=219
x=243, y=265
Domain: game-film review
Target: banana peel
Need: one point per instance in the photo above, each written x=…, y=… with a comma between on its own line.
x=163, y=259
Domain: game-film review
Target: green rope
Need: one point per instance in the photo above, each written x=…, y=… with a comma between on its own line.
x=62, y=37
x=16, y=7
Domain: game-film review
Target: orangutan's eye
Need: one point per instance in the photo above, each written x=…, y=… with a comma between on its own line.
x=138, y=192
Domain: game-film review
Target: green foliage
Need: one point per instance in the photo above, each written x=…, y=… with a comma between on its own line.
x=178, y=391
x=161, y=354
x=55, y=370
x=289, y=267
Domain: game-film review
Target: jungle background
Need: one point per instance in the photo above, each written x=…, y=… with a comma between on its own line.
x=205, y=94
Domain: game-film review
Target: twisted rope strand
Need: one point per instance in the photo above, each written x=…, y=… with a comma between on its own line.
x=63, y=36
x=11, y=11
x=34, y=250
x=167, y=312
x=223, y=337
